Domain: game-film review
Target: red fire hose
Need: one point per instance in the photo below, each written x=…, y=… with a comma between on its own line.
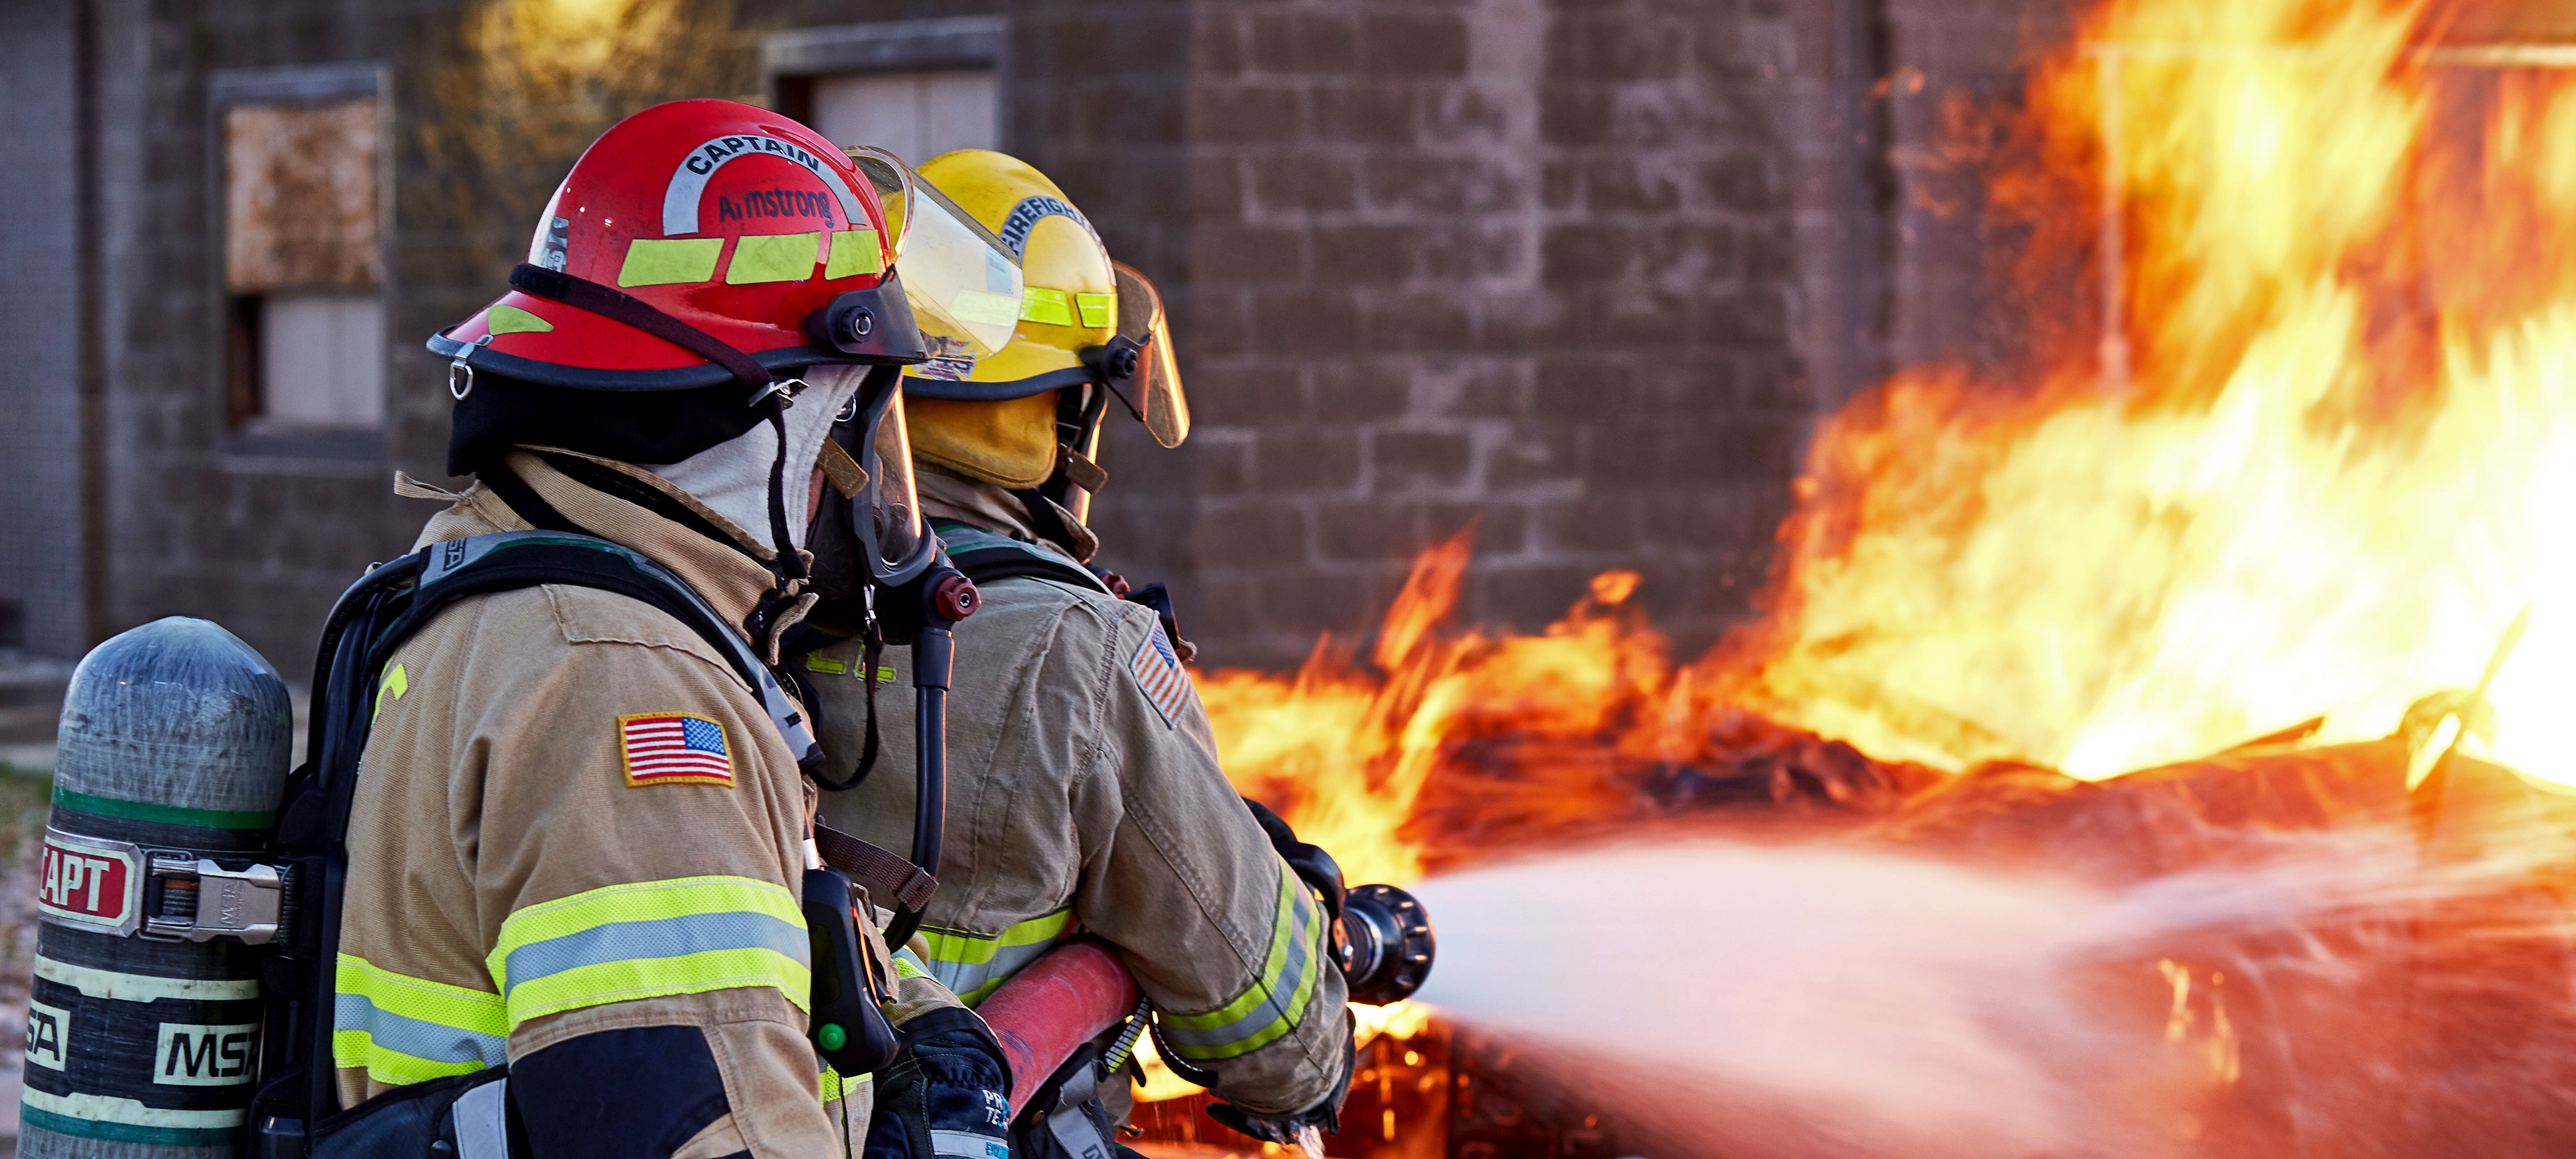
x=1054, y=1005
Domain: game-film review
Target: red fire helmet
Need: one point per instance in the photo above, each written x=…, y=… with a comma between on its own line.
x=728, y=218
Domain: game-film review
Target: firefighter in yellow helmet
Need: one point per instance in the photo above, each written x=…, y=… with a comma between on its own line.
x=1084, y=794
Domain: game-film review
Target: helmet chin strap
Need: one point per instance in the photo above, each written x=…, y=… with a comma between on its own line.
x=784, y=604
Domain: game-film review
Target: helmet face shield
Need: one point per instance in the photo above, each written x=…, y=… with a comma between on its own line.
x=964, y=284
x=897, y=543
x=1154, y=387
x=875, y=535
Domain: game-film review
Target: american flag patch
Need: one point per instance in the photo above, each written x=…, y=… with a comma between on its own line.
x=673, y=748
x=1158, y=671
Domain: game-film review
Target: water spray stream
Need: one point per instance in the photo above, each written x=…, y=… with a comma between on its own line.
x=1725, y=998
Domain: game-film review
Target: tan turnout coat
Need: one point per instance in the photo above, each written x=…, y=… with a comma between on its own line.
x=494, y=811
x=1076, y=803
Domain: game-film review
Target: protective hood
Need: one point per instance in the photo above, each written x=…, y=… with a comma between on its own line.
x=733, y=476
x=945, y=495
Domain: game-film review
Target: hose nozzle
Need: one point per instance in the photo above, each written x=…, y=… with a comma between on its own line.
x=1384, y=944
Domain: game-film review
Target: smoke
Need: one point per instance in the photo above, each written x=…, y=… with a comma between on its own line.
x=2344, y=997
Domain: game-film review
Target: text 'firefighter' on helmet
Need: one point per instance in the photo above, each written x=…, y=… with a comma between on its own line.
x=1088, y=330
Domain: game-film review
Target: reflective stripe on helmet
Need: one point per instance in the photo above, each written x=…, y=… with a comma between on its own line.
x=855, y=252
x=662, y=262
x=1046, y=307
x=1058, y=308
x=688, y=935
x=1274, y=1003
x=406, y=1030
x=778, y=257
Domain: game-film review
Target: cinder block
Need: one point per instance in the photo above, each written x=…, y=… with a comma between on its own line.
x=1370, y=531
x=1304, y=41
x=1406, y=460
x=1261, y=533
x=1414, y=44
x=1300, y=459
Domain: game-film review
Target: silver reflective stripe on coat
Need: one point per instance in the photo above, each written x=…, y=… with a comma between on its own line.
x=1074, y=1130
x=482, y=1119
x=656, y=938
x=435, y=1042
x=968, y=1145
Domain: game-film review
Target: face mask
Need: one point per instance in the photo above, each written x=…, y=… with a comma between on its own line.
x=733, y=476
x=869, y=528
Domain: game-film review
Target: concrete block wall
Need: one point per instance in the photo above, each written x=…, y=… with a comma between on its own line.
x=1531, y=267
x=1580, y=273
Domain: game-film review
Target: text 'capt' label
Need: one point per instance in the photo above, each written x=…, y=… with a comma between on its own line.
x=90, y=885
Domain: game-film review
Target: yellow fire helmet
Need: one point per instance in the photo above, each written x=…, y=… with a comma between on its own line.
x=1028, y=415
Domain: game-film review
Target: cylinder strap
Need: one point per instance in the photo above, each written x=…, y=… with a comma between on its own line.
x=886, y=876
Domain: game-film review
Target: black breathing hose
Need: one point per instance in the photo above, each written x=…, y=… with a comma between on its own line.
x=931, y=655
x=934, y=652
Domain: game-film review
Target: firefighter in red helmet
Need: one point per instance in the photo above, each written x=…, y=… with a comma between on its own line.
x=577, y=844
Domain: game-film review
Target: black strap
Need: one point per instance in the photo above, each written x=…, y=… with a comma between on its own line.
x=530, y=566
x=791, y=562
x=618, y=306
x=1044, y=519
x=888, y=877
x=986, y=565
x=524, y=500
x=868, y=657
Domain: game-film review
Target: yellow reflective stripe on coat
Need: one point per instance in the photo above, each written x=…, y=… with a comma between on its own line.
x=688, y=935
x=834, y=1088
x=406, y=1030
x=972, y=966
x=1274, y=1003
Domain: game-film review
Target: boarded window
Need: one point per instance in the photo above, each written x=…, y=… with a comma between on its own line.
x=915, y=115
x=300, y=197
x=303, y=264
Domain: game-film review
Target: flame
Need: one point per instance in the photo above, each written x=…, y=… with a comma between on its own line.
x=1448, y=734
x=2313, y=467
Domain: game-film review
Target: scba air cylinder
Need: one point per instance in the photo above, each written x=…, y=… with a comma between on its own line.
x=143, y=1033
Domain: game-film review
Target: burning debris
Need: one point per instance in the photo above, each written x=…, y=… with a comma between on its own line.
x=2301, y=458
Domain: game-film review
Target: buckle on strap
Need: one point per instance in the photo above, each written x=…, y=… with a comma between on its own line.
x=199, y=900
x=458, y=390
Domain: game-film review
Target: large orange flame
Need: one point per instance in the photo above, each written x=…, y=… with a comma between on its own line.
x=2320, y=460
